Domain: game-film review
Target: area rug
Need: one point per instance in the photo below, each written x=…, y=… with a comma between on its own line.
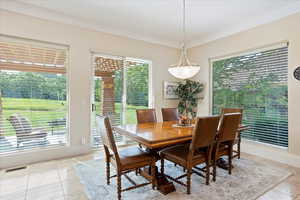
x=249, y=180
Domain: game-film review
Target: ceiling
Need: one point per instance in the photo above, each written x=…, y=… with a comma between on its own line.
x=159, y=21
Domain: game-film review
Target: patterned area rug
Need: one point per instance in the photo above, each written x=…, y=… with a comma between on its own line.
x=248, y=181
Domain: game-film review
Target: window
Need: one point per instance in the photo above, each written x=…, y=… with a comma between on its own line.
x=33, y=100
x=121, y=85
x=256, y=82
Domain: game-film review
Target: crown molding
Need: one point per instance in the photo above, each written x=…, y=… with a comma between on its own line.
x=43, y=13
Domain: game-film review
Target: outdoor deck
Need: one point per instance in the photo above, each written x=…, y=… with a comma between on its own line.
x=9, y=143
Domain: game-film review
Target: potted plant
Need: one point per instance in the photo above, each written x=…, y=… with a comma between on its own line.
x=188, y=94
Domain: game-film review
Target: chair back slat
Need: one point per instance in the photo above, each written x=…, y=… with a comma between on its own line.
x=205, y=131
x=170, y=114
x=229, y=126
x=146, y=116
x=105, y=130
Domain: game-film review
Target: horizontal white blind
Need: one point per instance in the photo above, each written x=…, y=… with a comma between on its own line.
x=256, y=82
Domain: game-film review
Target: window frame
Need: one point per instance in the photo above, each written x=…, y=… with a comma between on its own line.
x=44, y=44
x=151, y=99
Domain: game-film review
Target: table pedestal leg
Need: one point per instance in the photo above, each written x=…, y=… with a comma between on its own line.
x=161, y=181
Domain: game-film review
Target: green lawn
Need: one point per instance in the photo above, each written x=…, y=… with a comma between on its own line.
x=38, y=111
x=41, y=111
x=130, y=113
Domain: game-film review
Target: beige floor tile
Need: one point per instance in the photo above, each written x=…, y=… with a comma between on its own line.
x=275, y=195
x=85, y=158
x=18, y=195
x=46, y=192
x=9, y=185
x=71, y=187
x=67, y=174
x=69, y=162
x=43, y=178
x=76, y=197
x=288, y=188
x=43, y=166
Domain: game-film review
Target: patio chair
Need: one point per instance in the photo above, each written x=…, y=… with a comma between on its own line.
x=24, y=130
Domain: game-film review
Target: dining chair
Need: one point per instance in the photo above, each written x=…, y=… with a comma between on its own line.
x=170, y=114
x=124, y=161
x=237, y=153
x=145, y=116
x=197, y=152
x=225, y=139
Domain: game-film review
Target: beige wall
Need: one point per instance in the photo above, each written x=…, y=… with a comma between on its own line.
x=286, y=29
x=80, y=42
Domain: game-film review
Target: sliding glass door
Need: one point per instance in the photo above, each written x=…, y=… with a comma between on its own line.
x=121, y=85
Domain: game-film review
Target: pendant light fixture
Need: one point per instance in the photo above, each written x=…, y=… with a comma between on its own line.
x=184, y=69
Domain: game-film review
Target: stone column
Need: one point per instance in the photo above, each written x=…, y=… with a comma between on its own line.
x=108, y=95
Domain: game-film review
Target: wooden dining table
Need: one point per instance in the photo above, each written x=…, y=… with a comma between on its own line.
x=155, y=136
x=158, y=135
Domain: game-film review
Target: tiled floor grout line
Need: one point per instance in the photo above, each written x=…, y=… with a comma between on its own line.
x=61, y=183
x=27, y=181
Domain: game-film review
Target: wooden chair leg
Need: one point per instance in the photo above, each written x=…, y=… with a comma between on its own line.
x=207, y=172
x=188, y=181
x=119, y=185
x=214, y=170
x=162, y=167
x=239, y=148
x=230, y=159
x=107, y=172
x=153, y=175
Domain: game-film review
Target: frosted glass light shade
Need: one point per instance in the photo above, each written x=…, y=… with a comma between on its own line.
x=184, y=72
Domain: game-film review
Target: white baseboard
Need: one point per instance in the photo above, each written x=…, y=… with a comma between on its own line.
x=270, y=152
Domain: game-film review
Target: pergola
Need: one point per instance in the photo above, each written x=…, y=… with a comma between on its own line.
x=105, y=68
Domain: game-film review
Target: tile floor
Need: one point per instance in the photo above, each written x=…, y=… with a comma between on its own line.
x=56, y=180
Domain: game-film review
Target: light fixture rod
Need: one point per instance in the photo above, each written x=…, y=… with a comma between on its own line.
x=184, y=23
x=184, y=69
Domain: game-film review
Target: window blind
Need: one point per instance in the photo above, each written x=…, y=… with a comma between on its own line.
x=256, y=82
x=33, y=97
